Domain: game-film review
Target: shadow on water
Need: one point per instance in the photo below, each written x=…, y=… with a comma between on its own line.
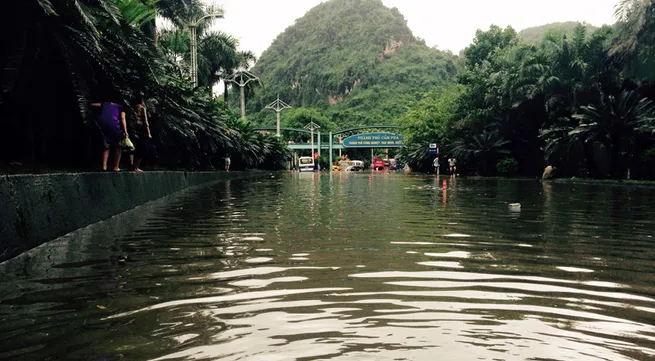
x=346, y=267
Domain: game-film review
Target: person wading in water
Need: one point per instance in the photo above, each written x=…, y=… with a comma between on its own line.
x=452, y=162
x=228, y=162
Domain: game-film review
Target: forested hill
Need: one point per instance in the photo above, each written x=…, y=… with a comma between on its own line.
x=535, y=34
x=356, y=61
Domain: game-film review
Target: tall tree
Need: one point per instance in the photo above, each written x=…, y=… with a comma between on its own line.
x=176, y=11
x=233, y=62
x=615, y=122
x=636, y=26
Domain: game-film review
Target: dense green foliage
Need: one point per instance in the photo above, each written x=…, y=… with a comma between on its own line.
x=535, y=34
x=58, y=56
x=565, y=94
x=576, y=101
x=355, y=61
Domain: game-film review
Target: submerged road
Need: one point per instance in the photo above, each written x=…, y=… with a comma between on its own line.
x=346, y=267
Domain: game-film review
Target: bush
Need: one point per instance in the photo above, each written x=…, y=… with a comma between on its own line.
x=507, y=166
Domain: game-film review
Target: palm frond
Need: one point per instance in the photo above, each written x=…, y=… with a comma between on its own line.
x=47, y=7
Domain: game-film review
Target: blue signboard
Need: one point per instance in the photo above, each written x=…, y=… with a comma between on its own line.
x=374, y=140
x=433, y=148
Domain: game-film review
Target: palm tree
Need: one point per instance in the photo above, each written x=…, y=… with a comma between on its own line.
x=174, y=46
x=238, y=60
x=137, y=12
x=176, y=11
x=416, y=155
x=483, y=149
x=84, y=50
x=615, y=122
x=636, y=26
x=82, y=47
x=216, y=51
x=218, y=56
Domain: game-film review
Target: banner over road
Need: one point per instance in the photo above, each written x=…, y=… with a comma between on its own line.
x=374, y=140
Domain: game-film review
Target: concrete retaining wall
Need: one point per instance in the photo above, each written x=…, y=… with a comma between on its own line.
x=37, y=208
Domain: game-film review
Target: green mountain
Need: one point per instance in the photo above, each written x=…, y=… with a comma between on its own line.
x=535, y=34
x=355, y=61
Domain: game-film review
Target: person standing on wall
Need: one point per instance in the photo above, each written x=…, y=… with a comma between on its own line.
x=111, y=121
x=142, y=142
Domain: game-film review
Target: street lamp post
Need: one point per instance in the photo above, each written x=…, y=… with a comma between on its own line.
x=312, y=126
x=278, y=106
x=193, y=29
x=242, y=78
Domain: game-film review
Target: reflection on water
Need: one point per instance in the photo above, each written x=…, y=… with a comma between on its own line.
x=346, y=267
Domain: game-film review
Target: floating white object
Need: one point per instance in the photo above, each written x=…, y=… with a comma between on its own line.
x=252, y=239
x=575, y=269
x=453, y=254
x=515, y=206
x=443, y=264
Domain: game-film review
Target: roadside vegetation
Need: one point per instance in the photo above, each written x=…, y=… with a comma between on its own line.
x=581, y=101
x=59, y=56
x=577, y=97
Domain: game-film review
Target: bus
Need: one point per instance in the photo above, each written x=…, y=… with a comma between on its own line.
x=306, y=164
x=378, y=164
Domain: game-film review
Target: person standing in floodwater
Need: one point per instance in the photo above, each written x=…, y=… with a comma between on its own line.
x=111, y=121
x=452, y=162
x=228, y=162
x=435, y=165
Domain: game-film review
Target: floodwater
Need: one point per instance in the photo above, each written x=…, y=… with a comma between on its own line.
x=350, y=267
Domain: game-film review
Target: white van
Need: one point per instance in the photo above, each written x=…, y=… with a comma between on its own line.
x=306, y=164
x=355, y=166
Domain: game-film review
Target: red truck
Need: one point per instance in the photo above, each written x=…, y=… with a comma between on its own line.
x=378, y=163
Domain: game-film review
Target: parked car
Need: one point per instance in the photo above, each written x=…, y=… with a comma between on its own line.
x=306, y=164
x=342, y=165
x=354, y=168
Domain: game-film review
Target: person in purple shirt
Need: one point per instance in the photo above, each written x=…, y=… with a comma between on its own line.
x=111, y=122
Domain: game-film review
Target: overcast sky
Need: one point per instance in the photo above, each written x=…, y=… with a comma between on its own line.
x=447, y=24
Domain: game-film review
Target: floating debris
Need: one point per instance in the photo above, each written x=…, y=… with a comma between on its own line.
x=575, y=269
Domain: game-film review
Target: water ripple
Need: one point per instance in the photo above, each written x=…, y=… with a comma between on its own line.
x=346, y=267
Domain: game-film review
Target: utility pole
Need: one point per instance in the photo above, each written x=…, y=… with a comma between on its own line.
x=193, y=26
x=278, y=105
x=242, y=78
x=331, y=140
x=312, y=126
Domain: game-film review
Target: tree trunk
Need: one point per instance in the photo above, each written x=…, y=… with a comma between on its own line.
x=592, y=168
x=225, y=94
x=615, y=157
x=150, y=29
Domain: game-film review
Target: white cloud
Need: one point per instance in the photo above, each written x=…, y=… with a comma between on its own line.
x=447, y=24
